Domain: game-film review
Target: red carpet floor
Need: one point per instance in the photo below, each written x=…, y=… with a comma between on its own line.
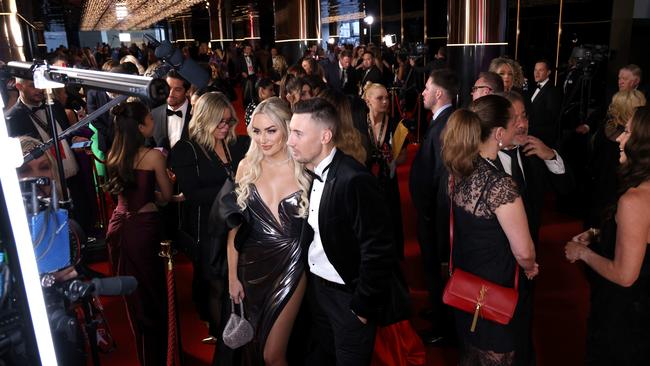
x=561, y=298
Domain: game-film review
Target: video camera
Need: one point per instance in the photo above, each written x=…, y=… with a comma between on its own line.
x=588, y=58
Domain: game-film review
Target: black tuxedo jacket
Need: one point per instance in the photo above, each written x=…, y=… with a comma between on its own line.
x=243, y=66
x=427, y=170
x=538, y=180
x=160, y=134
x=544, y=114
x=104, y=124
x=19, y=122
x=333, y=76
x=356, y=235
x=373, y=76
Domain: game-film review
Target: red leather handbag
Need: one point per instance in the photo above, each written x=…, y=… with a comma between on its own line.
x=475, y=295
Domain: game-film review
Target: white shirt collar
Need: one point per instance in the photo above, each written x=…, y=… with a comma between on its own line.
x=542, y=83
x=437, y=113
x=320, y=168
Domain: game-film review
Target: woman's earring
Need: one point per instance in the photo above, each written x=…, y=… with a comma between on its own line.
x=500, y=144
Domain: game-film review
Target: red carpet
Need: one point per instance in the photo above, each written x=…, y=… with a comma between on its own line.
x=561, y=297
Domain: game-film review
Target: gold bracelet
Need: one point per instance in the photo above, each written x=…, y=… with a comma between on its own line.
x=594, y=232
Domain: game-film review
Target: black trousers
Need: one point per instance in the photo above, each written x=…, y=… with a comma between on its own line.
x=430, y=253
x=338, y=336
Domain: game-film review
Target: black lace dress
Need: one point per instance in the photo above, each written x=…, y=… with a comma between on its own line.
x=619, y=319
x=271, y=260
x=482, y=248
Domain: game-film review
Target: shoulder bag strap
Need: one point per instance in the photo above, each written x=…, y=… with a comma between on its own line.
x=198, y=174
x=451, y=234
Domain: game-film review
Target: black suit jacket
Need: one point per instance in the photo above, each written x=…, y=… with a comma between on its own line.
x=333, y=76
x=356, y=235
x=243, y=66
x=19, y=122
x=538, y=180
x=427, y=169
x=104, y=124
x=372, y=75
x=544, y=114
x=160, y=136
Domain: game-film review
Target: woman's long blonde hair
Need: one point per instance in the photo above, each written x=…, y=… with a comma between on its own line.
x=206, y=116
x=278, y=112
x=517, y=72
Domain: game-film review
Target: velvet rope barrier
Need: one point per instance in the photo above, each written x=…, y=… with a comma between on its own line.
x=172, y=338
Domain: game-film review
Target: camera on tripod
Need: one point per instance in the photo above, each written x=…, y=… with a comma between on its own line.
x=588, y=58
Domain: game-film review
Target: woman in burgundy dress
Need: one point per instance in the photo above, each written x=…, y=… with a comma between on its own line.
x=133, y=235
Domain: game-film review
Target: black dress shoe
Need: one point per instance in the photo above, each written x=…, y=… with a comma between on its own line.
x=426, y=314
x=438, y=339
x=431, y=338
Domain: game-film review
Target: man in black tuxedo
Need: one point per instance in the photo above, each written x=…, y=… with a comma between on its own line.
x=545, y=106
x=428, y=188
x=534, y=166
x=369, y=72
x=28, y=117
x=248, y=67
x=352, y=257
x=339, y=74
x=171, y=120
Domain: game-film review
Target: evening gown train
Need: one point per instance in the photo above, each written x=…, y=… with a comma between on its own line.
x=271, y=263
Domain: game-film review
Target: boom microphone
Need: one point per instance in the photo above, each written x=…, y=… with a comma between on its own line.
x=187, y=68
x=114, y=286
x=109, y=286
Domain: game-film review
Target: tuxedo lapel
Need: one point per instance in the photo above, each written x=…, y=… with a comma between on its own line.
x=323, y=210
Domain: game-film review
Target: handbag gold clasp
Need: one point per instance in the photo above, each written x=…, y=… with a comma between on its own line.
x=479, y=303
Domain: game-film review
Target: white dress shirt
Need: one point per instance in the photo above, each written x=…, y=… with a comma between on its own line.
x=175, y=124
x=319, y=264
x=541, y=85
x=555, y=166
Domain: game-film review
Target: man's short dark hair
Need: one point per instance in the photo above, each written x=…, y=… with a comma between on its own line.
x=513, y=97
x=345, y=53
x=321, y=111
x=175, y=75
x=493, y=80
x=447, y=80
x=545, y=62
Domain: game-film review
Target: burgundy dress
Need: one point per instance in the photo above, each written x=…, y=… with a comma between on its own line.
x=134, y=242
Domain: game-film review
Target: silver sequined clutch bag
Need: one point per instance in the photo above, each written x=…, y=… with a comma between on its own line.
x=238, y=330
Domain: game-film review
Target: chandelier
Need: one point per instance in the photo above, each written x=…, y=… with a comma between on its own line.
x=129, y=14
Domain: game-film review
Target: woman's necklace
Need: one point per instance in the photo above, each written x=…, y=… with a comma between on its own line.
x=376, y=140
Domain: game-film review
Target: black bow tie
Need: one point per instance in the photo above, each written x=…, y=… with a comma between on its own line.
x=313, y=175
x=316, y=176
x=174, y=113
x=539, y=85
x=35, y=109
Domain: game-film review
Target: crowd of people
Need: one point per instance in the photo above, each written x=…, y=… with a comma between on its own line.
x=301, y=219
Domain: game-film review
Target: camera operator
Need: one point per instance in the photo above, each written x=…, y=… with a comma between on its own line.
x=66, y=335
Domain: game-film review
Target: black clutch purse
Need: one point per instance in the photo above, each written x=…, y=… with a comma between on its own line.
x=238, y=330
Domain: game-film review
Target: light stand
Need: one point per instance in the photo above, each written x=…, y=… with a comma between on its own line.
x=369, y=20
